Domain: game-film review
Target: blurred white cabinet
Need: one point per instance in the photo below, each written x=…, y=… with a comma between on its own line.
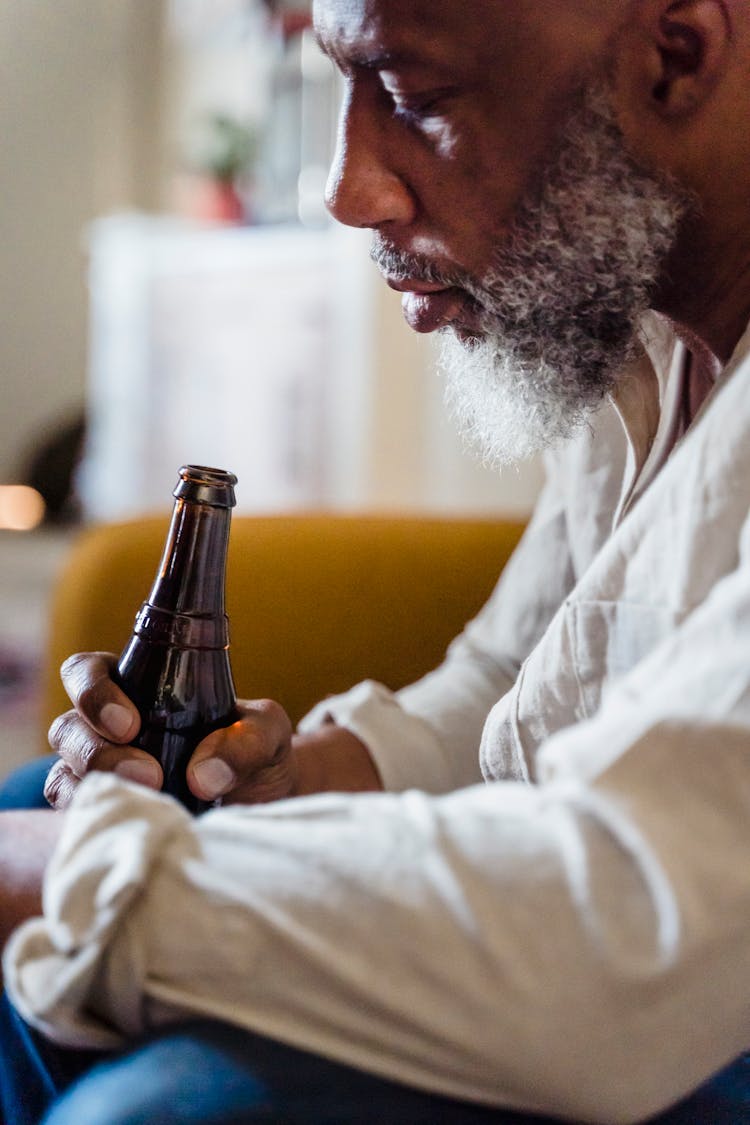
x=278, y=353
x=222, y=346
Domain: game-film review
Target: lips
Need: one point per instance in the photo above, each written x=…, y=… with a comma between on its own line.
x=426, y=312
x=428, y=307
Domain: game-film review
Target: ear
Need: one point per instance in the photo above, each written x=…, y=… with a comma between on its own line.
x=690, y=44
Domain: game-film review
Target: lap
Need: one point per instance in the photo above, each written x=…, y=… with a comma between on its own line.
x=208, y=1073
x=211, y=1074
x=216, y=1074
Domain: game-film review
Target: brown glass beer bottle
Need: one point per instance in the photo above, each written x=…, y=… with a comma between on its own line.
x=176, y=666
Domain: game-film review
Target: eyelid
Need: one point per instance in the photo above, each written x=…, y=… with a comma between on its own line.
x=404, y=80
x=416, y=107
x=420, y=103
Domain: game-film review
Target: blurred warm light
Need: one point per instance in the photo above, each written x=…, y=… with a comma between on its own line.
x=21, y=507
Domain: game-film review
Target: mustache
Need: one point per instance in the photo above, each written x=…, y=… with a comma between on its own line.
x=401, y=266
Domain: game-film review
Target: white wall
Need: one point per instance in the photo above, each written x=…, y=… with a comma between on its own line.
x=88, y=126
x=78, y=96
x=418, y=459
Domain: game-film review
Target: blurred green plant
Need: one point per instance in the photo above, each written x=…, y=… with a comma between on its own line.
x=225, y=147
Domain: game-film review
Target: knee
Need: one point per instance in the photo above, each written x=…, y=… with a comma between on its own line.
x=24, y=788
x=181, y=1079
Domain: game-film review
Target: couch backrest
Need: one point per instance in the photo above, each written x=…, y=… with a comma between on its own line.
x=316, y=602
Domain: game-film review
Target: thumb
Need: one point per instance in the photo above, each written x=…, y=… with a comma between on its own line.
x=234, y=755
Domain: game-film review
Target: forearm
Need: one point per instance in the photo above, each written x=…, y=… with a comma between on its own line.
x=27, y=840
x=341, y=922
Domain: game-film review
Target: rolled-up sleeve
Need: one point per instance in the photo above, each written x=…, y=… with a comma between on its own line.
x=556, y=948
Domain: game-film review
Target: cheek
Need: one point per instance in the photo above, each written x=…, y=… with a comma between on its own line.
x=485, y=167
x=469, y=194
x=444, y=140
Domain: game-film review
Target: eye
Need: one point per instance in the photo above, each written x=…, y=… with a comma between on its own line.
x=417, y=108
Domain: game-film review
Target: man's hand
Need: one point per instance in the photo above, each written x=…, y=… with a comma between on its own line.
x=256, y=759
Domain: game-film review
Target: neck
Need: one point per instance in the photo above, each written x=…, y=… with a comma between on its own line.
x=708, y=297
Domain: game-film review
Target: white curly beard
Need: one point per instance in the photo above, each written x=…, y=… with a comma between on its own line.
x=561, y=305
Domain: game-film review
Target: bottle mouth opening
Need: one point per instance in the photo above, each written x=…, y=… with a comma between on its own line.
x=205, y=485
x=207, y=474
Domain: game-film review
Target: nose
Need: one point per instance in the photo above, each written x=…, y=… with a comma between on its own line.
x=364, y=189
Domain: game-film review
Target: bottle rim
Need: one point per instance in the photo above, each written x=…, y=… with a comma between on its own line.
x=207, y=474
x=202, y=484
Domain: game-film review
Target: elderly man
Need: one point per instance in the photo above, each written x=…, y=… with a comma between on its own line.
x=560, y=187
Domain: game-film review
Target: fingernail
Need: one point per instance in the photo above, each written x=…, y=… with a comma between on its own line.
x=140, y=771
x=214, y=777
x=117, y=719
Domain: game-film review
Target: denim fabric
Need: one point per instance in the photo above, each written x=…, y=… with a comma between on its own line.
x=24, y=788
x=251, y=1080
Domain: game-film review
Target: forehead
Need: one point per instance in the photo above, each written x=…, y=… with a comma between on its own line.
x=541, y=37
x=441, y=30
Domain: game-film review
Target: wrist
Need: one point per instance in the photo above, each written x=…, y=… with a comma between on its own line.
x=332, y=759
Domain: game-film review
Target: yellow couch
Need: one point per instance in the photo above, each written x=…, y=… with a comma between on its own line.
x=316, y=602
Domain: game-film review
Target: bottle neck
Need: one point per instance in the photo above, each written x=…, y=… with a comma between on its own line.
x=192, y=573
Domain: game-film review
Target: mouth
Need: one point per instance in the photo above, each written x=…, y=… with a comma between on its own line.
x=428, y=306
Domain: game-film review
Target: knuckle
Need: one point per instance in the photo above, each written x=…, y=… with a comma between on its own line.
x=75, y=673
x=71, y=666
x=85, y=676
x=59, y=786
x=267, y=706
x=74, y=741
x=60, y=730
x=274, y=713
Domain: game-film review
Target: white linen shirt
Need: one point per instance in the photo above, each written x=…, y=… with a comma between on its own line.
x=577, y=946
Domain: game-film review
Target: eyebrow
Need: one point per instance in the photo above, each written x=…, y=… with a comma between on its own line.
x=388, y=60
x=383, y=59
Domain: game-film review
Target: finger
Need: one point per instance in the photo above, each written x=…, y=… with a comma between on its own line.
x=60, y=786
x=87, y=678
x=82, y=750
x=235, y=755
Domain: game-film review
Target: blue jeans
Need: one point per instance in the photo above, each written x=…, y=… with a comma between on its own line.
x=208, y=1073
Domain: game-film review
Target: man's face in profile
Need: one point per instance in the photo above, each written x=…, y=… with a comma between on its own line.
x=482, y=147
